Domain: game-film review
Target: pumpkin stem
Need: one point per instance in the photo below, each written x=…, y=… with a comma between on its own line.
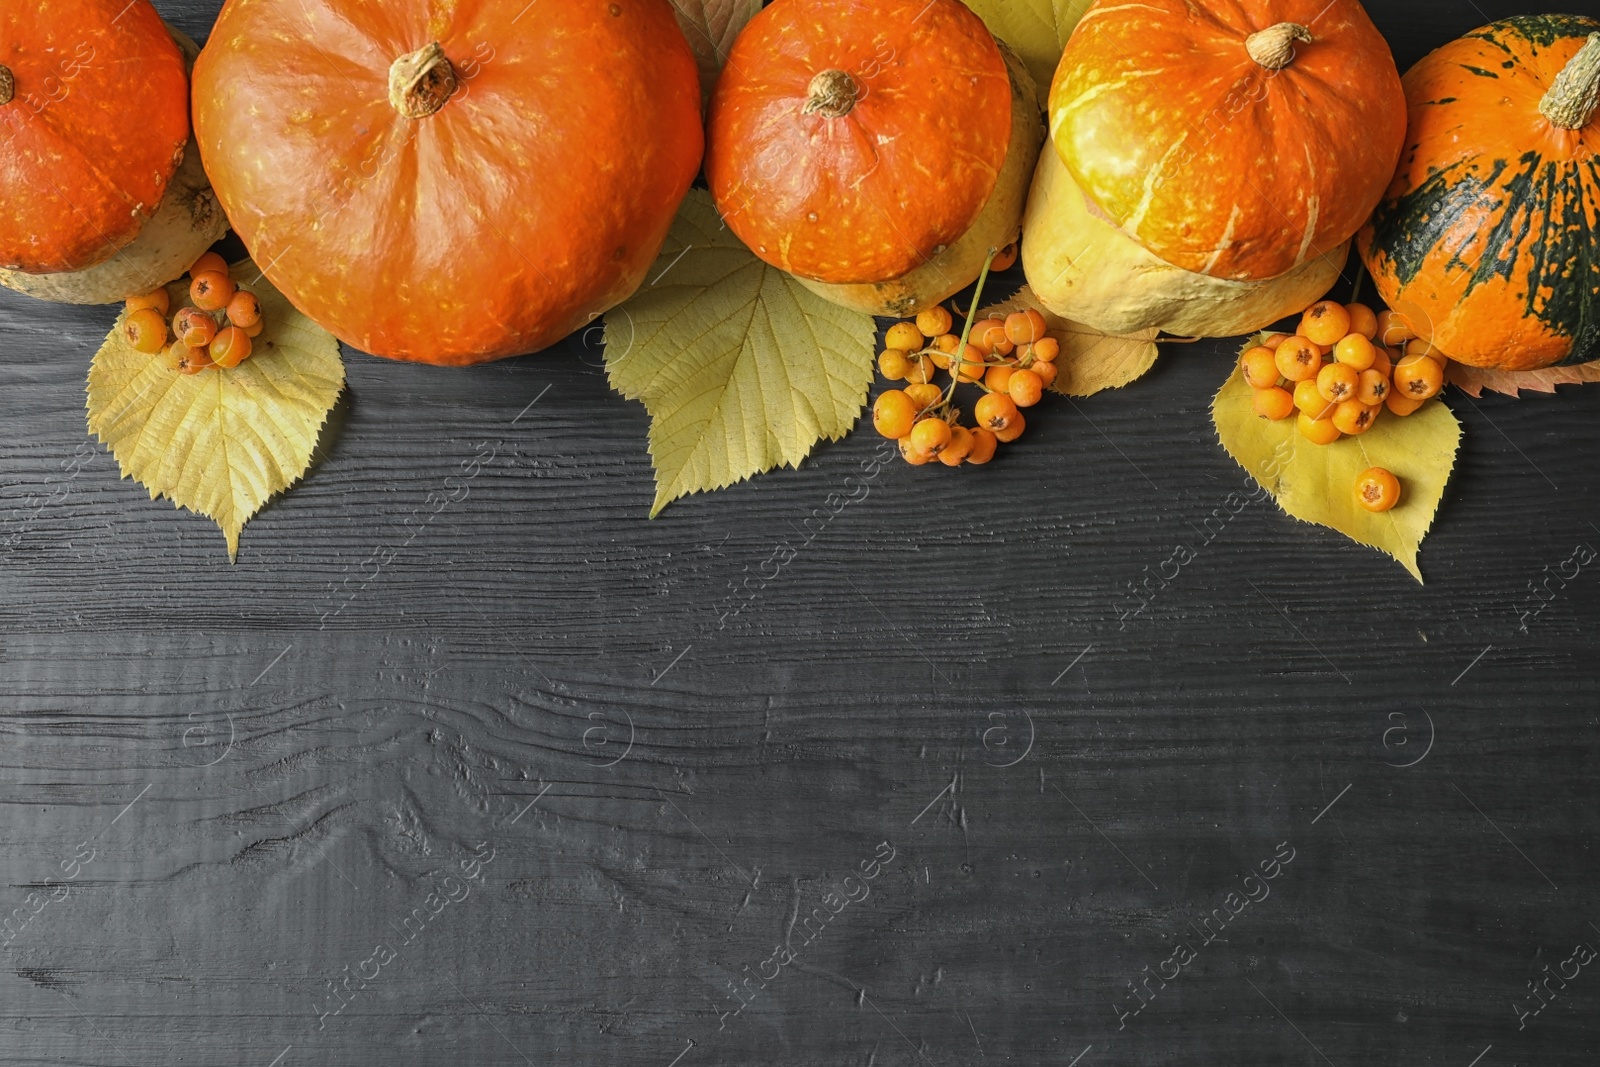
x=8, y=85
x=833, y=93
x=421, y=82
x=1273, y=47
x=1573, y=99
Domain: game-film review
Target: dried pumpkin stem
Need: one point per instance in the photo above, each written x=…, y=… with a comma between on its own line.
x=421, y=82
x=8, y=85
x=1273, y=47
x=833, y=93
x=1573, y=99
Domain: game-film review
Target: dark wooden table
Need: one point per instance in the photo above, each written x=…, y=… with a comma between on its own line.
x=557, y=784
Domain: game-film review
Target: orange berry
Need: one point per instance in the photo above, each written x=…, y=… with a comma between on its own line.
x=893, y=364
x=1400, y=404
x=911, y=454
x=230, y=348
x=1372, y=388
x=972, y=364
x=1418, y=377
x=1383, y=362
x=920, y=370
x=1363, y=321
x=1325, y=322
x=1337, y=382
x=145, y=330
x=1393, y=329
x=1355, y=351
x=1013, y=431
x=1025, y=327
x=1260, y=367
x=930, y=436
x=1274, y=403
x=902, y=335
x=947, y=343
x=1354, y=418
x=1421, y=347
x=984, y=443
x=893, y=414
x=1317, y=431
x=1026, y=388
x=253, y=331
x=1045, y=349
x=996, y=411
x=1046, y=372
x=935, y=320
x=998, y=379
x=244, y=309
x=1275, y=339
x=188, y=360
x=209, y=261
x=1298, y=359
x=924, y=395
x=1309, y=399
x=957, y=450
x=159, y=299
x=990, y=337
x=1377, y=489
x=194, y=327
x=1006, y=258
x=211, y=290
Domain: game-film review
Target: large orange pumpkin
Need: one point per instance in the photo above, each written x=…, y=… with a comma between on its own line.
x=94, y=116
x=1232, y=138
x=1489, y=239
x=450, y=183
x=851, y=141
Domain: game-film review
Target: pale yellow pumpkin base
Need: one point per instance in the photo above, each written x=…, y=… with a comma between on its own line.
x=188, y=222
x=1083, y=268
x=996, y=226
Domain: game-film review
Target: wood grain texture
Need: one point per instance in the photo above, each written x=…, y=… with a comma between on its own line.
x=312, y=740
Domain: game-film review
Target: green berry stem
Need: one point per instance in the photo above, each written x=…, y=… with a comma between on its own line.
x=966, y=330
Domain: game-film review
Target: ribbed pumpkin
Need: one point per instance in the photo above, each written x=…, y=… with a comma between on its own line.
x=1232, y=138
x=852, y=141
x=94, y=113
x=450, y=183
x=996, y=226
x=1085, y=269
x=1489, y=239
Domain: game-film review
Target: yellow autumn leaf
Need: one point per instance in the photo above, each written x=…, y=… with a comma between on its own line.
x=741, y=367
x=1037, y=29
x=220, y=442
x=1090, y=361
x=1316, y=483
x=711, y=27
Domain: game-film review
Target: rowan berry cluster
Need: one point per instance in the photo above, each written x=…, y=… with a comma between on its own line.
x=1011, y=362
x=1344, y=367
x=199, y=337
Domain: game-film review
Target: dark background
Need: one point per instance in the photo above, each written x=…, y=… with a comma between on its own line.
x=311, y=741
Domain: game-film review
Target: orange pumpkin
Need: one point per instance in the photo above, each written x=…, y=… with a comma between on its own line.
x=1488, y=242
x=1232, y=138
x=94, y=116
x=851, y=141
x=450, y=183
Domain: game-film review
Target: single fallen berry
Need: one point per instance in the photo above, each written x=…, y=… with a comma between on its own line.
x=1377, y=489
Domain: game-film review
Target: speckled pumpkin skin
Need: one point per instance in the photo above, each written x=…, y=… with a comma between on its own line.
x=1489, y=238
x=94, y=133
x=871, y=195
x=534, y=200
x=1208, y=159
